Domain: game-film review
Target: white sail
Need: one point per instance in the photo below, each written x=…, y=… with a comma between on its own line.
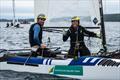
x=59, y=12
x=13, y=12
x=40, y=6
x=94, y=12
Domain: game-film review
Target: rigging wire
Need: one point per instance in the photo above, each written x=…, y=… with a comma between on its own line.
x=48, y=37
x=119, y=23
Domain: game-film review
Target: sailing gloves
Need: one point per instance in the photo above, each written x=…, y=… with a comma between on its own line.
x=98, y=35
x=35, y=48
x=64, y=32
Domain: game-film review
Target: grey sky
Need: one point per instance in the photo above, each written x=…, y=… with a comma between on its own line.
x=25, y=8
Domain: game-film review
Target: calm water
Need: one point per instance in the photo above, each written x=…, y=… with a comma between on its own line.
x=16, y=38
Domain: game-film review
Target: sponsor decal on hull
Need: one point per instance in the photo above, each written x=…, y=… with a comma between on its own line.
x=67, y=70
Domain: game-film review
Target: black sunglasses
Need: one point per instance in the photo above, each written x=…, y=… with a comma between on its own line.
x=74, y=21
x=42, y=19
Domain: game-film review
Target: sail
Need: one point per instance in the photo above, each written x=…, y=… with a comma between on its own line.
x=59, y=12
x=13, y=1
x=94, y=12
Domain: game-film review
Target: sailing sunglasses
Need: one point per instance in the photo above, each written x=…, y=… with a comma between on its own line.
x=74, y=21
x=42, y=19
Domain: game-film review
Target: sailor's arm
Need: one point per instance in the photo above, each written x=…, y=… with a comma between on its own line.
x=36, y=39
x=90, y=34
x=66, y=34
x=36, y=34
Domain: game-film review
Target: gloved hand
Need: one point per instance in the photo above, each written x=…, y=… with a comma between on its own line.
x=64, y=32
x=34, y=48
x=98, y=35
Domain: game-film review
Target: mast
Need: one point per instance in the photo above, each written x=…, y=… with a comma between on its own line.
x=102, y=27
x=13, y=12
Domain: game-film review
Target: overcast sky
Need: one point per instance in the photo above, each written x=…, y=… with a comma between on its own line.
x=25, y=8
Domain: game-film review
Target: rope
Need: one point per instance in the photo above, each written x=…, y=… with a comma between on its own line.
x=28, y=58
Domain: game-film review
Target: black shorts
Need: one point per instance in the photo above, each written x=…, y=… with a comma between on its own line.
x=82, y=52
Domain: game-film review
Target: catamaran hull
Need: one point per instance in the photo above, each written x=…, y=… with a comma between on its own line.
x=78, y=72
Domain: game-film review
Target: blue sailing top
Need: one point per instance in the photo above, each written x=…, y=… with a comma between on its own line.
x=35, y=35
x=36, y=30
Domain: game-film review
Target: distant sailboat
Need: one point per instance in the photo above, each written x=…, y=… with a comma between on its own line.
x=15, y=21
x=13, y=4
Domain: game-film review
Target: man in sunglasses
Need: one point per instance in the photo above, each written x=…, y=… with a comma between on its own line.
x=35, y=34
x=76, y=33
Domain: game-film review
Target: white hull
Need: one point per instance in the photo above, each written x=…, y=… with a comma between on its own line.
x=89, y=72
